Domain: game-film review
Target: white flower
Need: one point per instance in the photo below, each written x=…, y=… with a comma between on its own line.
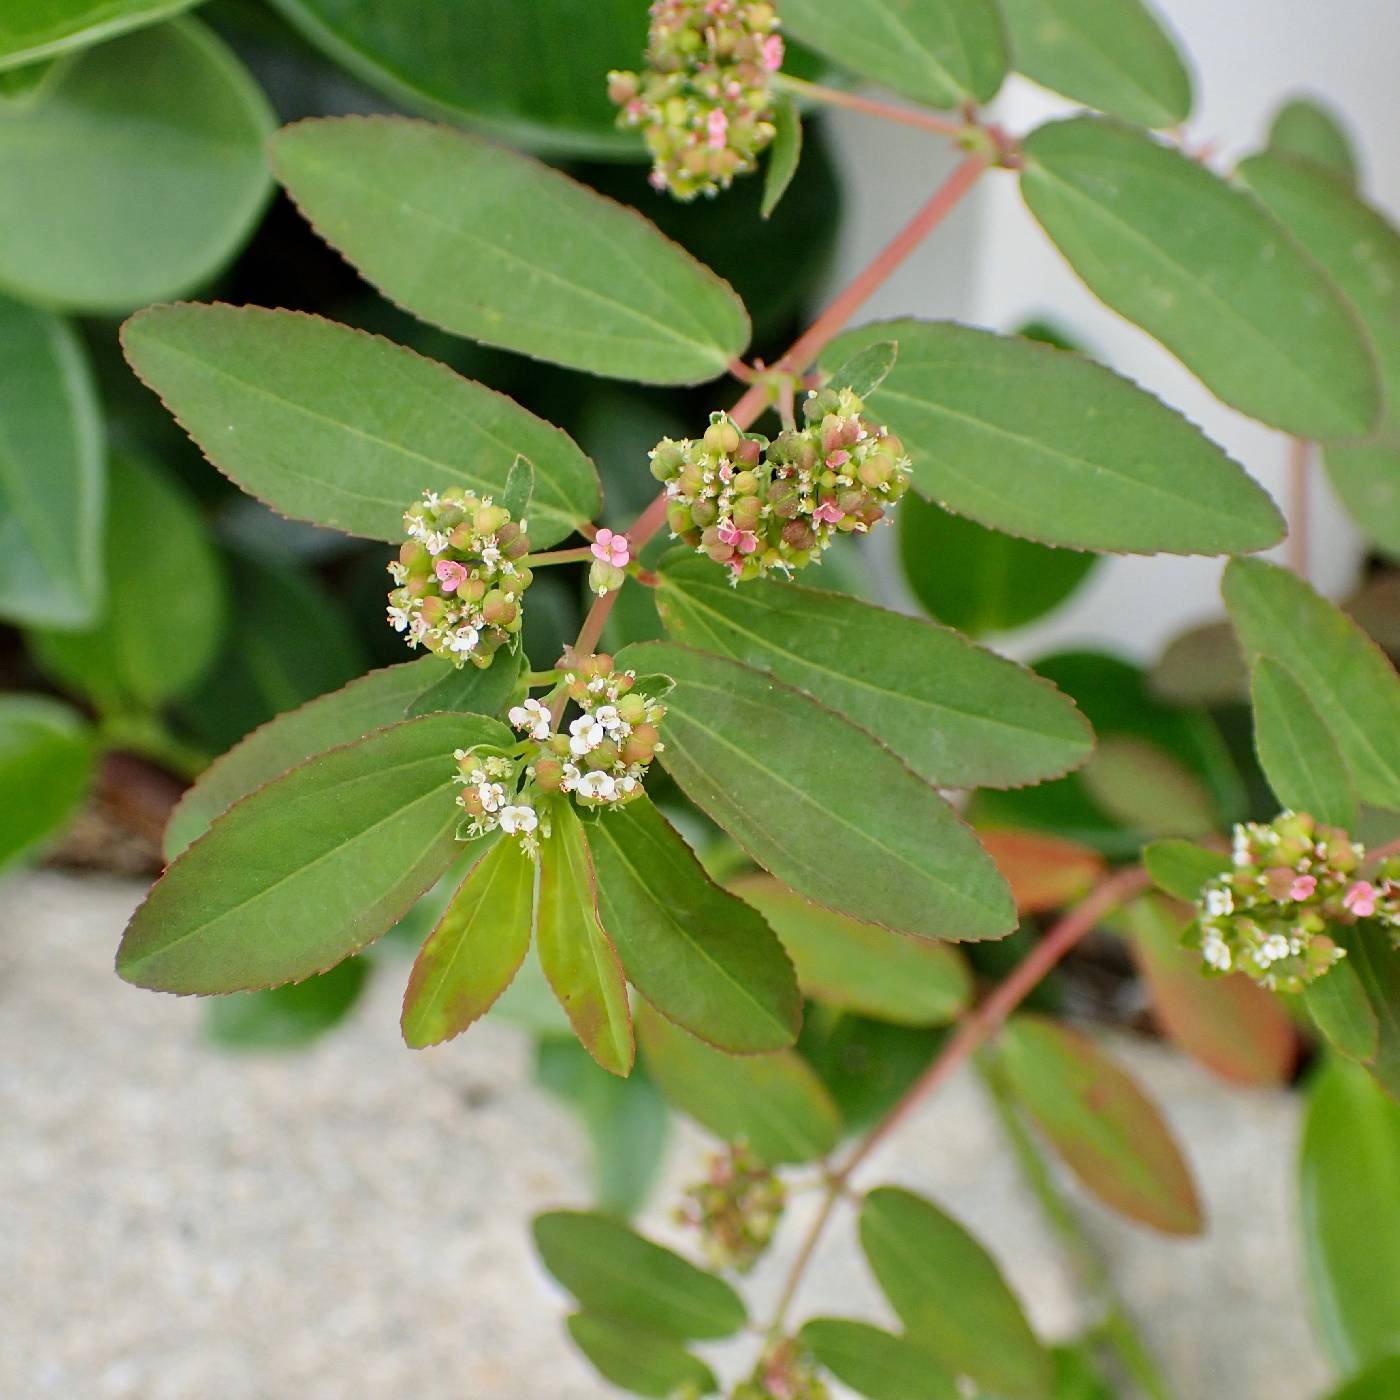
x=464, y=640
x=608, y=717
x=399, y=619
x=531, y=716
x=568, y=779
x=435, y=541
x=518, y=820
x=492, y=795
x=1275, y=947
x=585, y=734
x=1216, y=953
x=1240, y=847
x=431, y=500
x=599, y=786
x=398, y=572
x=491, y=556
x=596, y=683
x=1219, y=902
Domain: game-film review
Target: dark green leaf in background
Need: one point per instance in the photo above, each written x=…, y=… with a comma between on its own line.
x=700, y=956
x=283, y=1018
x=1143, y=786
x=36, y=29
x=819, y=803
x=613, y=1271
x=46, y=760
x=1378, y=1382
x=783, y=156
x=138, y=176
x=1309, y=130
x=1046, y=444
x=328, y=424
x=310, y=868
x=22, y=89
x=52, y=476
x=640, y=1361
x=875, y=1363
x=1203, y=267
x=1110, y=54
x=465, y=235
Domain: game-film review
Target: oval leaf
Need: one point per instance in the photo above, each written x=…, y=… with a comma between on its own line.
x=139, y=175
x=329, y=424
x=310, y=868
x=1202, y=267
x=876, y=1364
x=282, y=1018
x=1341, y=1008
x=46, y=761
x=1296, y=749
x=959, y=715
x=775, y=1103
x=785, y=155
x=641, y=1362
x=1372, y=958
x=1043, y=443
x=613, y=1271
x=475, y=951
x=34, y=31
x=1350, y=1210
x=1141, y=785
x=1307, y=130
x=1366, y=475
x=699, y=955
x=1182, y=868
x=859, y=967
x=793, y=783
x=1345, y=675
x=951, y=1296
x=465, y=235
x=1109, y=54
x=939, y=52
x=51, y=473
x=577, y=955
x=1101, y=1123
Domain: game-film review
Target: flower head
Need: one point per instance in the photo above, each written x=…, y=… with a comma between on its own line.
x=609, y=547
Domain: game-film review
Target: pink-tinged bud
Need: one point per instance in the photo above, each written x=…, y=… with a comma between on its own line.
x=498, y=609
x=640, y=744
x=720, y=553
x=717, y=125
x=773, y=52
x=746, y=483
x=798, y=534
x=473, y=590
x=1303, y=887
x=704, y=513
x=433, y=610
x=1360, y=899
x=450, y=574
x=838, y=459
x=622, y=88
x=748, y=452
x=747, y=511
x=549, y=773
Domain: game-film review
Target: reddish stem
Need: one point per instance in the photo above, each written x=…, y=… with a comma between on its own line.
x=1299, y=457
x=906, y=116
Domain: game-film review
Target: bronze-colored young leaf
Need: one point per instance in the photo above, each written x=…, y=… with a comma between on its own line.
x=775, y=1103
x=613, y=1271
x=1045, y=872
x=699, y=955
x=1101, y=1123
x=875, y=1363
x=577, y=955
x=640, y=1361
x=310, y=868
x=476, y=949
x=820, y=803
x=950, y=1295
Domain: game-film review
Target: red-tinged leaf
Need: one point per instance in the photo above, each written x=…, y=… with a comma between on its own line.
x=576, y=953
x=1044, y=872
x=1230, y=1024
x=1101, y=1123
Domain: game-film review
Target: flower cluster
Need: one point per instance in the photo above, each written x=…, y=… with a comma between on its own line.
x=756, y=506
x=459, y=578
x=600, y=759
x=736, y=1208
x=703, y=103
x=783, y=1373
x=1268, y=915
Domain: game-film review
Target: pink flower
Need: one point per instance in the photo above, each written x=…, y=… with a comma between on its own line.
x=718, y=125
x=773, y=52
x=828, y=513
x=839, y=458
x=611, y=548
x=1360, y=899
x=1303, y=887
x=451, y=574
x=748, y=542
x=728, y=532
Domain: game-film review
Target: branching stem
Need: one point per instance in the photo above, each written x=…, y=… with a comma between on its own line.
x=834, y=97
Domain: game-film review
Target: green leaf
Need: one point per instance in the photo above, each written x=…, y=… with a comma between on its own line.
x=958, y=715
x=1046, y=444
x=773, y=1102
x=283, y=1018
x=46, y=762
x=138, y=177
x=627, y=1120
x=1296, y=749
x=329, y=424
x=700, y=956
x=783, y=156
x=867, y=369
x=1202, y=666
x=499, y=67
x=1341, y=1008
x=1230, y=1024
x=793, y=782
x=22, y=89
x=1109, y=54
x=951, y=1296
x=980, y=580
x=578, y=957
x=164, y=595
x=1347, y=677
x=51, y=473
x=1366, y=475
x=381, y=698
x=639, y=1361
x=1204, y=268
x=612, y=1270
x=859, y=967
x=1309, y=130
x=1143, y=786
x=939, y=52
x=310, y=868
x=42, y=28
x=1378, y=1382
x=475, y=951
x=1376, y=964
x=1350, y=1211
x=874, y=1363
x=1101, y=1123
x=465, y=235
x=1181, y=868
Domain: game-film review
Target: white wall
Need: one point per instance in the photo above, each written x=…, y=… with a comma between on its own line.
x=991, y=265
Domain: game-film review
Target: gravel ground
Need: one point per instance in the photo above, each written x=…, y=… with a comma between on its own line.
x=349, y=1223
